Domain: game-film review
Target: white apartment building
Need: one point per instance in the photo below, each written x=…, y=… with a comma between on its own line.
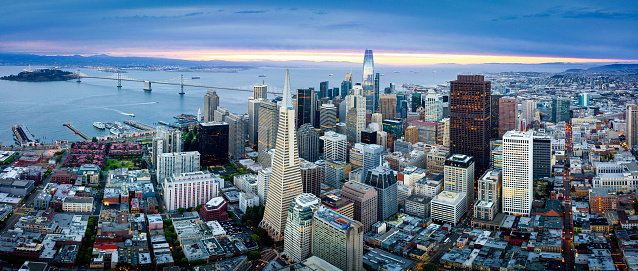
x=247, y=200
x=191, y=189
x=263, y=181
x=430, y=186
x=517, y=173
x=246, y=183
x=78, y=204
x=459, y=175
x=176, y=163
x=298, y=233
x=448, y=207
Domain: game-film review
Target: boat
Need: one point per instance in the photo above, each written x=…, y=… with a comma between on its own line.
x=129, y=114
x=115, y=131
x=99, y=125
x=262, y=75
x=163, y=123
x=331, y=74
x=195, y=77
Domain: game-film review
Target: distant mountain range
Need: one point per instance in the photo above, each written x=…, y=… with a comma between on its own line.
x=615, y=67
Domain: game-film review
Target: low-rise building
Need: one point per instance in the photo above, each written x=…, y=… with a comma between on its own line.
x=448, y=207
x=247, y=200
x=78, y=204
x=417, y=205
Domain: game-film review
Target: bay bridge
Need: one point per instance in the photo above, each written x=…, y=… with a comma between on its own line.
x=148, y=83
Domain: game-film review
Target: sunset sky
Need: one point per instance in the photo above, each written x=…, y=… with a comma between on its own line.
x=399, y=32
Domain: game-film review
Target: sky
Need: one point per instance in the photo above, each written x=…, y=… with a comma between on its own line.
x=399, y=32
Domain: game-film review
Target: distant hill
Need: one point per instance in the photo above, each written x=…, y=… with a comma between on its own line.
x=615, y=67
x=43, y=75
x=573, y=70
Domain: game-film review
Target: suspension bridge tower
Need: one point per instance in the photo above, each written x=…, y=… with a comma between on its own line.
x=182, y=85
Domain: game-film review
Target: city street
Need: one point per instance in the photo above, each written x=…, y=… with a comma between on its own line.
x=568, y=227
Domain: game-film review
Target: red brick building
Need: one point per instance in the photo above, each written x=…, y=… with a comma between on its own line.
x=602, y=200
x=215, y=209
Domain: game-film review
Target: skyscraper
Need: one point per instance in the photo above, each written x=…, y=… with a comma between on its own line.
x=458, y=174
x=366, y=156
x=260, y=91
x=355, y=117
x=368, y=80
x=542, y=156
x=507, y=115
x=285, y=182
x=631, y=117
x=176, y=163
x=518, y=176
x=387, y=106
x=263, y=181
x=489, y=195
x=337, y=239
x=433, y=107
x=213, y=143
x=324, y=90
x=470, y=119
x=308, y=142
x=236, y=135
x=305, y=106
x=583, y=99
x=346, y=86
x=494, y=115
x=527, y=113
x=412, y=134
x=328, y=117
x=377, y=77
x=560, y=109
x=267, y=131
x=311, y=176
x=384, y=181
x=253, y=121
x=334, y=146
x=364, y=198
x=298, y=233
x=211, y=102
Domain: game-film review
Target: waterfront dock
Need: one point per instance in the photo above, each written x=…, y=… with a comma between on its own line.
x=139, y=125
x=83, y=136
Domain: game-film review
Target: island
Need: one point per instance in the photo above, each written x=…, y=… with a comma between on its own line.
x=42, y=75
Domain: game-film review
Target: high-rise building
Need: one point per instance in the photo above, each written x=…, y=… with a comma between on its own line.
x=436, y=159
x=236, y=135
x=518, y=176
x=187, y=190
x=263, y=181
x=470, y=119
x=260, y=91
x=394, y=127
x=364, y=198
x=402, y=146
x=507, y=115
x=369, y=136
x=220, y=113
x=377, y=118
x=267, y=131
x=308, y=142
x=213, y=143
x=368, y=81
x=443, y=132
x=448, y=207
x=583, y=99
x=489, y=195
x=177, y=140
x=416, y=101
x=211, y=102
x=335, y=173
x=337, y=239
x=311, y=176
x=433, y=107
x=382, y=139
x=355, y=116
x=334, y=146
x=306, y=101
x=285, y=182
x=459, y=176
x=366, y=156
x=346, y=86
x=176, y=163
x=253, y=121
x=494, y=115
x=528, y=113
x=328, y=117
x=384, y=181
x=560, y=110
x=298, y=233
x=323, y=90
x=339, y=205
x=631, y=117
x=377, y=78
x=387, y=106
x=542, y=147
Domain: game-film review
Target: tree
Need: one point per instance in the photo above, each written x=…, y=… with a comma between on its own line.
x=198, y=207
x=430, y=267
x=94, y=139
x=171, y=228
x=254, y=255
x=256, y=238
x=181, y=210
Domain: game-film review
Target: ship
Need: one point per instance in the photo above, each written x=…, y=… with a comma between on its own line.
x=262, y=75
x=99, y=125
x=195, y=77
x=331, y=74
x=128, y=114
x=163, y=123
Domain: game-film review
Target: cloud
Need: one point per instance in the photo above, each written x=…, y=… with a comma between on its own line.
x=250, y=11
x=598, y=14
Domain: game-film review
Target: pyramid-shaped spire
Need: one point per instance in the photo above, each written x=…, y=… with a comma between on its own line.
x=287, y=99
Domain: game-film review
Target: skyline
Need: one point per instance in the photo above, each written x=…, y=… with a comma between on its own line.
x=399, y=33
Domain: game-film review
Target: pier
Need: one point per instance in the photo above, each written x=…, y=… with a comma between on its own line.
x=83, y=136
x=139, y=125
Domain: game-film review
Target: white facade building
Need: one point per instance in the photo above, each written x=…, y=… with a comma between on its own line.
x=334, y=146
x=169, y=164
x=191, y=189
x=448, y=207
x=247, y=200
x=78, y=204
x=298, y=233
x=517, y=173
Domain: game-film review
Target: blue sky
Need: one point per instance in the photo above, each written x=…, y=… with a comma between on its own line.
x=566, y=28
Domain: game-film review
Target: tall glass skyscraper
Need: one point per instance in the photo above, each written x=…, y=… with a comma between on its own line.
x=368, y=80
